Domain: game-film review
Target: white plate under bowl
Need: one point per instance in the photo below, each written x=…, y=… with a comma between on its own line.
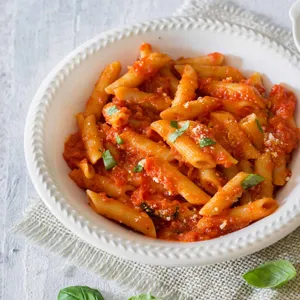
x=65, y=91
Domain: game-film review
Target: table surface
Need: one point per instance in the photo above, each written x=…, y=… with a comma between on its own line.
x=34, y=36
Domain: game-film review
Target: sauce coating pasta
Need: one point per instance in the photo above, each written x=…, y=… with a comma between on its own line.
x=184, y=150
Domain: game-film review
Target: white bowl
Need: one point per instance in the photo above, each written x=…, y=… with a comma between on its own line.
x=65, y=91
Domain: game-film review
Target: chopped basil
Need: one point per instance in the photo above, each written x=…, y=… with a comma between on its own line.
x=150, y=211
x=108, y=160
x=119, y=140
x=259, y=126
x=138, y=168
x=110, y=111
x=79, y=293
x=206, y=142
x=251, y=180
x=178, y=132
x=271, y=274
x=174, y=124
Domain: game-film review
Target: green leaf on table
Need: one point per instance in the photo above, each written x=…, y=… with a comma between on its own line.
x=206, y=142
x=271, y=274
x=143, y=297
x=79, y=293
x=178, y=132
x=108, y=160
x=251, y=180
x=112, y=110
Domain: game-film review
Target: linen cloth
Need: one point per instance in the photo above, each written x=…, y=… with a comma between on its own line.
x=217, y=282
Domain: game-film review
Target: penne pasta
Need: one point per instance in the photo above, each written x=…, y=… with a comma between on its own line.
x=237, y=140
x=99, y=183
x=231, y=91
x=87, y=169
x=184, y=145
x=173, y=181
x=203, y=136
x=187, y=86
x=140, y=71
x=145, y=50
x=210, y=180
x=99, y=97
x=115, y=115
x=192, y=109
x=212, y=59
x=166, y=72
x=280, y=171
x=122, y=213
x=225, y=197
x=156, y=102
x=264, y=167
x=92, y=140
x=255, y=210
x=142, y=146
x=214, y=72
x=238, y=217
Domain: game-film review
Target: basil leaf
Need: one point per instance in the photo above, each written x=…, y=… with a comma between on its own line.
x=259, y=126
x=138, y=168
x=119, y=140
x=174, y=124
x=271, y=274
x=108, y=160
x=143, y=297
x=150, y=211
x=251, y=180
x=178, y=132
x=79, y=293
x=113, y=109
x=206, y=142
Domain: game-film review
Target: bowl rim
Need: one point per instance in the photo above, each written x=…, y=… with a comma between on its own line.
x=227, y=247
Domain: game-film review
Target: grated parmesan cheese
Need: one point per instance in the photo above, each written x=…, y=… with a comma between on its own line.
x=223, y=225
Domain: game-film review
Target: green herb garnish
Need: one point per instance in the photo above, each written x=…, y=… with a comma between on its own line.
x=271, y=274
x=150, y=211
x=178, y=132
x=108, y=160
x=259, y=126
x=138, y=168
x=119, y=140
x=79, y=293
x=111, y=110
x=206, y=142
x=174, y=124
x=251, y=180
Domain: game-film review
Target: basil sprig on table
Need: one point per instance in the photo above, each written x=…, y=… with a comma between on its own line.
x=111, y=110
x=87, y=293
x=271, y=274
x=79, y=293
x=206, y=142
x=251, y=180
x=178, y=132
x=108, y=160
x=259, y=126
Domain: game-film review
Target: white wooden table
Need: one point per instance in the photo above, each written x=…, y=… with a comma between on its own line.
x=34, y=36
